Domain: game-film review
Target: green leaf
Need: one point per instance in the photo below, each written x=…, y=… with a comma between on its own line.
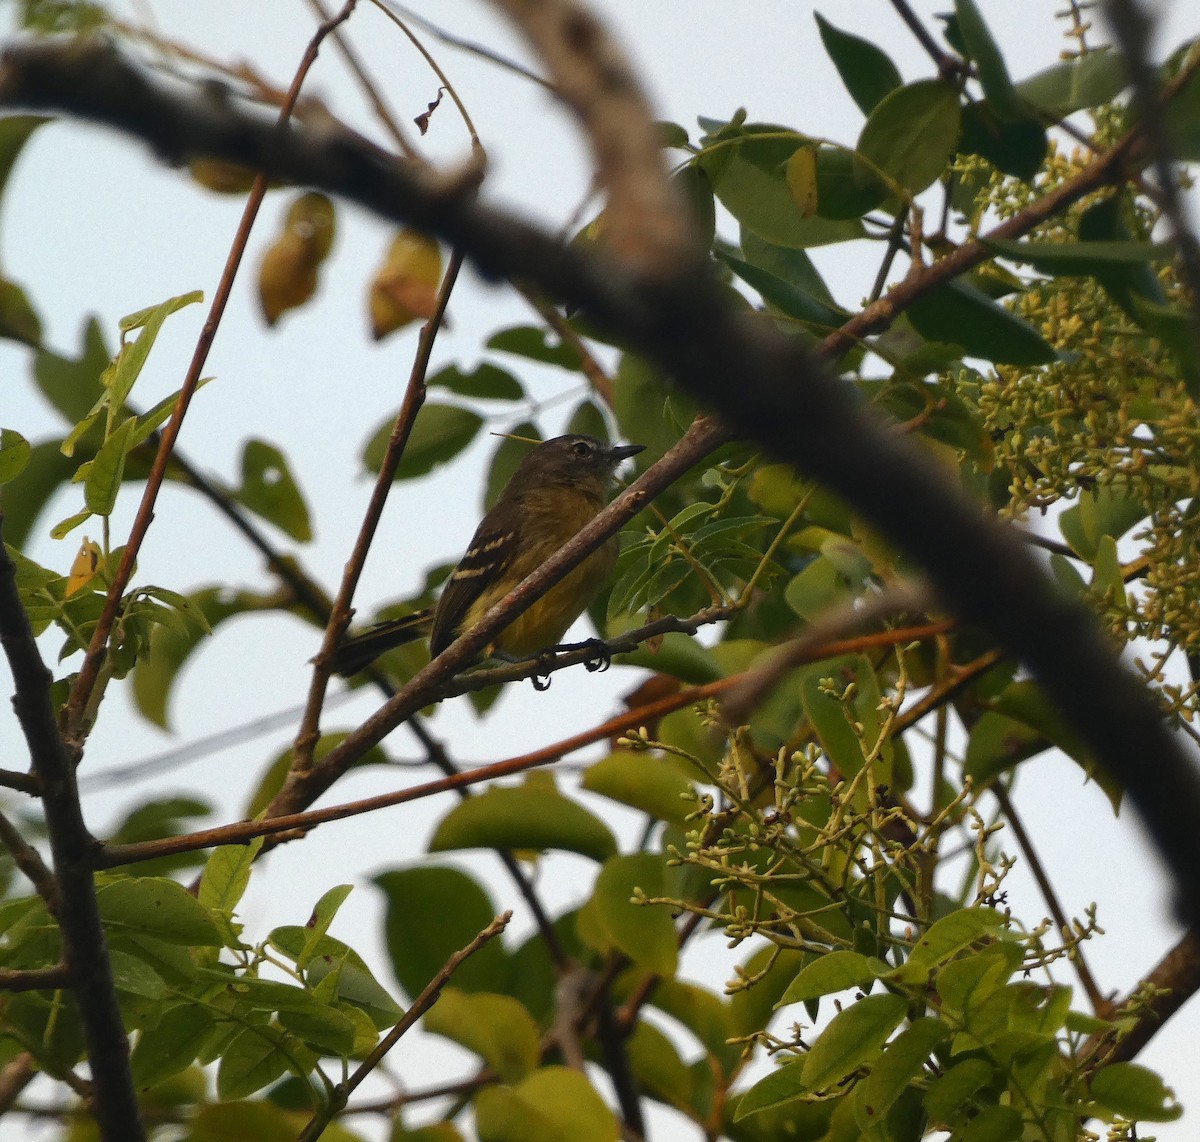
x=947, y=937
x=657, y=1067
x=959, y=314
x=19, y=321
x=749, y=180
x=950, y=1094
x=1079, y=259
x=853, y=1037
x=324, y=1028
x=227, y=874
x=1017, y=148
x=352, y=981
x=485, y=381
x=1176, y=328
x=15, y=131
x=1181, y=119
x=133, y=976
x=1089, y=80
x=533, y=816
x=997, y=744
x=912, y=133
x=652, y=785
x=903, y=1059
x=552, y=1104
x=157, y=907
x=788, y=299
x=496, y=1027
x=966, y=984
x=25, y=497
x=1125, y=284
x=779, y=1088
x=172, y=1044
x=15, y=453
x=270, y=490
x=1135, y=1092
x=835, y=971
x=254, y=1058
x=536, y=344
x=132, y=355
x=989, y=63
x=440, y=432
x=793, y=266
x=867, y=71
x=695, y=188
x=994, y=1124
x=258, y=1121
x=106, y=470
x=418, y=951
x=322, y=916
x=644, y=932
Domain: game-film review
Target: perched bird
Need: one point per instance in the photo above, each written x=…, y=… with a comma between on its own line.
x=557, y=488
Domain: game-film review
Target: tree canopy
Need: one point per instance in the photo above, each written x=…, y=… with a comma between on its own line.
x=916, y=507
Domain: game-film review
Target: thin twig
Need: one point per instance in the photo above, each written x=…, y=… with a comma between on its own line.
x=1101, y=1006
x=381, y=109
x=75, y=730
x=35, y=979
x=422, y=1003
x=30, y=862
x=339, y=617
x=112, y=856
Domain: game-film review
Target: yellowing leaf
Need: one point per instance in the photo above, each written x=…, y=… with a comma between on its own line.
x=404, y=288
x=287, y=277
x=84, y=567
x=801, y=174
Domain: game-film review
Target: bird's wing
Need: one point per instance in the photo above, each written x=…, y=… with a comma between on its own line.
x=490, y=553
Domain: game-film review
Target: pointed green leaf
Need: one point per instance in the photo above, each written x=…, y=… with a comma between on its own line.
x=903, y=1059
x=133, y=354
x=912, y=133
x=866, y=70
x=947, y=937
x=254, y=1058
x=106, y=470
x=853, y=1037
x=833, y=972
x=959, y=314
x=1068, y=259
x=779, y=1088
x=172, y=1044
x=227, y=874
x=950, y=1093
x=322, y=916
x=993, y=74
x=789, y=299
x=1087, y=81
x=535, y=344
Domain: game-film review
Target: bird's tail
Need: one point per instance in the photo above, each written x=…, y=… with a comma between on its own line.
x=358, y=651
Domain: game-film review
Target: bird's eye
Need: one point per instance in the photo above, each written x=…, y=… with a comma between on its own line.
x=581, y=448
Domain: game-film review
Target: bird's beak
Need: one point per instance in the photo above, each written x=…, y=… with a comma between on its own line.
x=623, y=452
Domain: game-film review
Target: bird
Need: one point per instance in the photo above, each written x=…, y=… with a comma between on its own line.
x=559, y=486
